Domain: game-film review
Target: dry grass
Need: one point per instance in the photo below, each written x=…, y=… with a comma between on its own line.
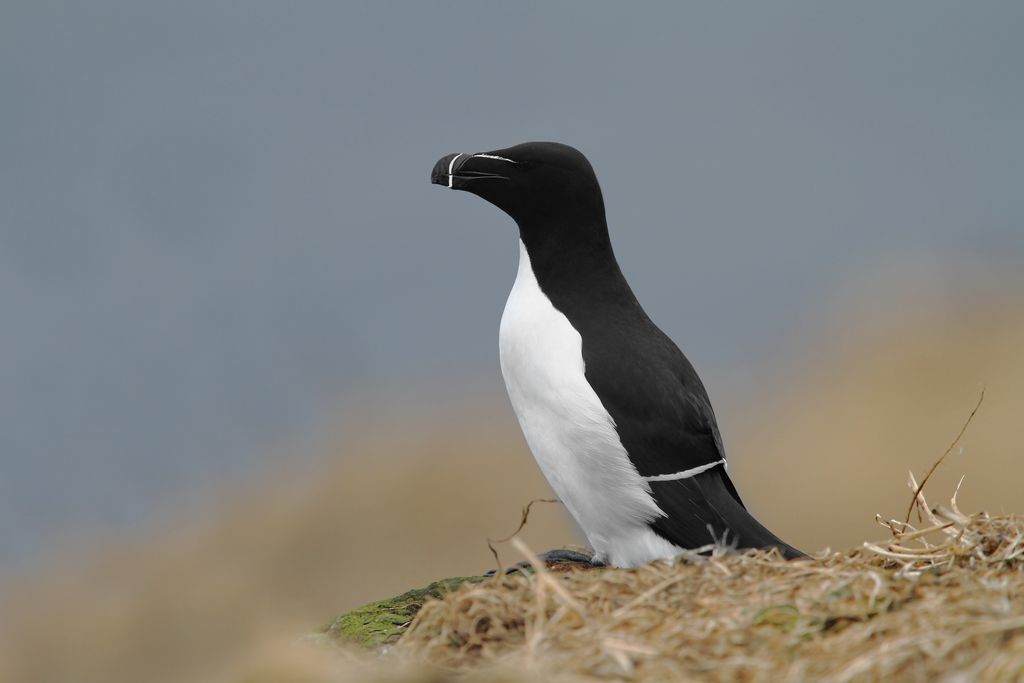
x=937, y=600
x=937, y=603
x=941, y=602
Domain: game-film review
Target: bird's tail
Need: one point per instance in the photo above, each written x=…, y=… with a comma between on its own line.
x=706, y=509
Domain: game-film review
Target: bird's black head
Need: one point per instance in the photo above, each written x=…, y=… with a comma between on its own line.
x=539, y=184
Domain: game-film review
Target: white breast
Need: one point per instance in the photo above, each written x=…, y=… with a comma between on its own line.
x=572, y=436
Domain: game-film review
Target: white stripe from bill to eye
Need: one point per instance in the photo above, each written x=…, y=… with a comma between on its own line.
x=493, y=156
x=451, y=165
x=685, y=474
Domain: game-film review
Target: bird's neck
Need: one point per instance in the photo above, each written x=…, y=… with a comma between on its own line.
x=576, y=259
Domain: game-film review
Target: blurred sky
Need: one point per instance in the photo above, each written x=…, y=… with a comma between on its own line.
x=217, y=229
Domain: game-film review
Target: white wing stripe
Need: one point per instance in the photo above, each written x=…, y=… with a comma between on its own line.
x=685, y=474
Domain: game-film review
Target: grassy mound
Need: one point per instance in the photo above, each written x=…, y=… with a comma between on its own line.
x=385, y=621
x=939, y=600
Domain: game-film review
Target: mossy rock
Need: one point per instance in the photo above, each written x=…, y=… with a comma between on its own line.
x=383, y=622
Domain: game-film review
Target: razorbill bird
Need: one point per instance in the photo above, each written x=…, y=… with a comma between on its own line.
x=615, y=415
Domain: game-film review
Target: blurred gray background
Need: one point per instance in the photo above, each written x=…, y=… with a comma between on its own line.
x=217, y=232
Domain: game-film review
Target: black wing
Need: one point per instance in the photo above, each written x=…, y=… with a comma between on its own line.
x=660, y=407
x=666, y=424
x=703, y=509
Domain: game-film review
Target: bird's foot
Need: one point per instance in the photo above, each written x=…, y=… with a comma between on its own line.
x=557, y=559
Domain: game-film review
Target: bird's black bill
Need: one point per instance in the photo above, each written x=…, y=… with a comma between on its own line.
x=457, y=170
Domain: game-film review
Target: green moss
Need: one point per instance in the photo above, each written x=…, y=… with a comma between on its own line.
x=383, y=622
x=784, y=617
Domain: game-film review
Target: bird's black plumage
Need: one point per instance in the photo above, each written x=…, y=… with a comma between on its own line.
x=660, y=408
